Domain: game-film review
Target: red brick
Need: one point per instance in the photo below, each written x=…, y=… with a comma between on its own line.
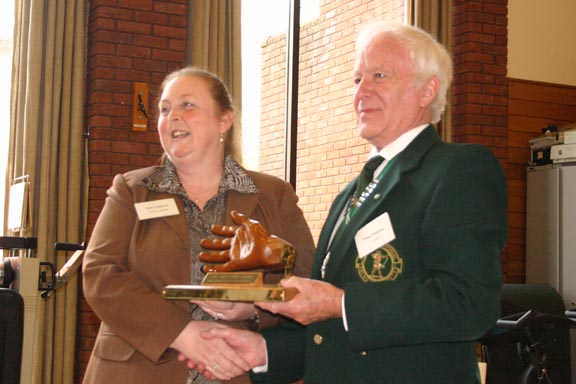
x=169, y=31
x=170, y=7
x=110, y=61
x=115, y=13
x=141, y=5
x=105, y=24
x=101, y=73
x=151, y=17
x=152, y=66
x=133, y=27
x=150, y=41
x=108, y=133
x=168, y=55
x=100, y=145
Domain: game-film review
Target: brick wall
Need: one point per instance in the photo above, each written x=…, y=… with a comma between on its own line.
x=330, y=152
x=480, y=89
x=128, y=41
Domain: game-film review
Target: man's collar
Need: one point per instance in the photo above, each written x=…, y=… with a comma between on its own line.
x=398, y=145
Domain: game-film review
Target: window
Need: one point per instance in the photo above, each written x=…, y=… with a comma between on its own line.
x=264, y=50
x=329, y=152
x=6, y=33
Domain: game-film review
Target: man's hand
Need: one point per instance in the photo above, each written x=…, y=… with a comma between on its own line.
x=247, y=246
x=316, y=301
x=249, y=346
x=213, y=358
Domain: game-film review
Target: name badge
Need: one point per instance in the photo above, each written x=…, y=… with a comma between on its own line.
x=157, y=208
x=374, y=235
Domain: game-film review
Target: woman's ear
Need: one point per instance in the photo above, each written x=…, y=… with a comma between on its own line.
x=226, y=121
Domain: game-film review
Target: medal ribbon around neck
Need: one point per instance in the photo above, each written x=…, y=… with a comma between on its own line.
x=364, y=186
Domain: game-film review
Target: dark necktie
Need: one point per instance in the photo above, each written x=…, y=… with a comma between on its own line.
x=364, y=179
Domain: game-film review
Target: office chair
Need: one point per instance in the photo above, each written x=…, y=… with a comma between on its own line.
x=11, y=335
x=531, y=342
x=12, y=312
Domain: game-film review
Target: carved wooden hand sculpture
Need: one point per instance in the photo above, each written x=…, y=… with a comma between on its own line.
x=246, y=246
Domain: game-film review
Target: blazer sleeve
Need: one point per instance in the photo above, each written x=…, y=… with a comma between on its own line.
x=122, y=272
x=286, y=345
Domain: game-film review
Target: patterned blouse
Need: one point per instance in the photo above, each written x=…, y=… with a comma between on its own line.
x=165, y=179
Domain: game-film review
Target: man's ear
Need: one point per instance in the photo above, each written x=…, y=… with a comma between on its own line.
x=430, y=91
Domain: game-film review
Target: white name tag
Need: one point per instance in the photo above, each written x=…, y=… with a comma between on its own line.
x=157, y=208
x=374, y=235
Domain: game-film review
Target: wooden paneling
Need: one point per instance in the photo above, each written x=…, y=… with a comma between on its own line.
x=531, y=107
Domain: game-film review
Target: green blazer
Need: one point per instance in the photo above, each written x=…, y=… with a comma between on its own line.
x=416, y=306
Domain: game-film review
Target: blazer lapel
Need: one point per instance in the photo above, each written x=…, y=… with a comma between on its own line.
x=176, y=222
x=391, y=176
x=243, y=203
x=328, y=228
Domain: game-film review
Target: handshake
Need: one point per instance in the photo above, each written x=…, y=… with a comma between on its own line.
x=222, y=352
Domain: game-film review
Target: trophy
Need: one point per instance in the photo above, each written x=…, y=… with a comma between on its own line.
x=233, y=259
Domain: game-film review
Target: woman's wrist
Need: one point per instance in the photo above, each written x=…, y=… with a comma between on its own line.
x=255, y=318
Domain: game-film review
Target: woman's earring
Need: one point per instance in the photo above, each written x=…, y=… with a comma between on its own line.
x=221, y=140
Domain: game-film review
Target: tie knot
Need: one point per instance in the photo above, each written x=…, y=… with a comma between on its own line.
x=373, y=163
x=365, y=178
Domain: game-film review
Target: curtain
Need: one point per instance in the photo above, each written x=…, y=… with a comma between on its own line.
x=47, y=143
x=435, y=17
x=214, y=43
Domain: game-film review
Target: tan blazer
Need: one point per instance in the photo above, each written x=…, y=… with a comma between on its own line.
x=128, y=262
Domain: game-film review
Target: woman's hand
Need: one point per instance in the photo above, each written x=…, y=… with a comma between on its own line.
x=212, y=357
x=227, y=310
x=250, y=345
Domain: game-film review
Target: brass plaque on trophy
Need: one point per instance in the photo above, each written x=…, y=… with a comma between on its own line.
x=230, y=286
x=251, y=247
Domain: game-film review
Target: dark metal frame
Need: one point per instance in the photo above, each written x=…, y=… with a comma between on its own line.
x=292, y=73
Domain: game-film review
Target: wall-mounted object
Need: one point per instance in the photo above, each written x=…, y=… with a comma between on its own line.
x=140, y=107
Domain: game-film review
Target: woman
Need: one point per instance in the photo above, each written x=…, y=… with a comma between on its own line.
x=148, y=235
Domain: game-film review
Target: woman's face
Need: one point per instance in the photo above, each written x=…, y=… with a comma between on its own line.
x=190, y=122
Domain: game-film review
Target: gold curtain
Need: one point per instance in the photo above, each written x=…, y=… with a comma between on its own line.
x=435, y=16
x=47, y=143
x=214, y=43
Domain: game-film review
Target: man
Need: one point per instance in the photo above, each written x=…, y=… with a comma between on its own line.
x=406, y=276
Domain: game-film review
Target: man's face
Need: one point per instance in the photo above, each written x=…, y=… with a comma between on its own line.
x=387, y=99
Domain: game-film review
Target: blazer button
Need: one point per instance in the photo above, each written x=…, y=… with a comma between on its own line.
x=363, y=353
x=318, y=339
